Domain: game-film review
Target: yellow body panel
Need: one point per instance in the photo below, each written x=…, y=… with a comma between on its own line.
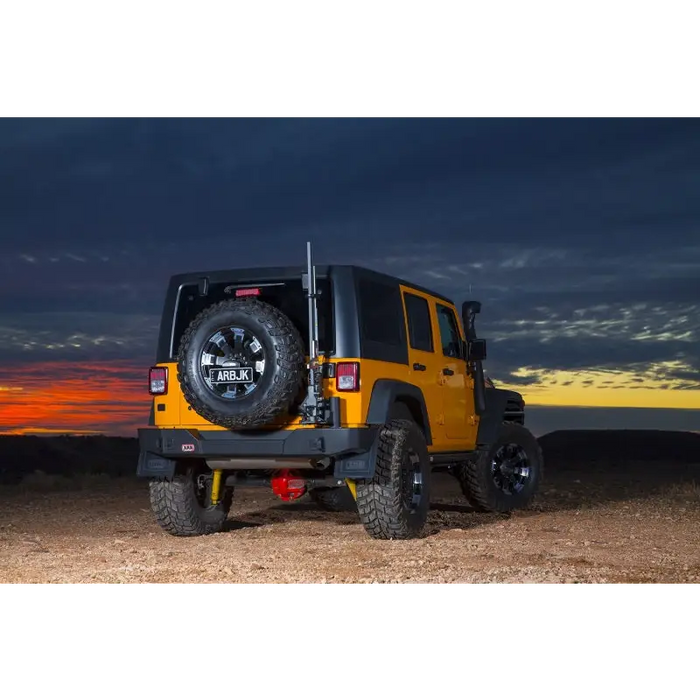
x=449, y=399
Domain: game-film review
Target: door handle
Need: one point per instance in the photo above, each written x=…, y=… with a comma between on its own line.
x=448, y=372
x=419, y=367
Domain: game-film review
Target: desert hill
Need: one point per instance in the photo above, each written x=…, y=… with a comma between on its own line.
x=66, y=455
x=617, y=447
x=70, y=456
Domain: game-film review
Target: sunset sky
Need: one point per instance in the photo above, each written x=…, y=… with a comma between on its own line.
x=580, y=237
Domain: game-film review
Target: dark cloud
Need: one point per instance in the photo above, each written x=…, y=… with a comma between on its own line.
x=581, y=237
x=518, y=380
x=76, y=336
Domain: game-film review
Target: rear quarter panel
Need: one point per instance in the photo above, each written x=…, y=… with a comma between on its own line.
x=177, y=413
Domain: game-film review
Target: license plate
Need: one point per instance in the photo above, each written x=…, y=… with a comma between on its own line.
x=231, y=375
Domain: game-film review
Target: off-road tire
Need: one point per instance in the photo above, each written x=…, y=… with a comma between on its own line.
x=178, y=512
x=456, y=472
x=476, y=478
x=380, y=501
x=335, y=499
x=279, y=387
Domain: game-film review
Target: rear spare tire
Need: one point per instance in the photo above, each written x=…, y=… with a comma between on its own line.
x=241, y=363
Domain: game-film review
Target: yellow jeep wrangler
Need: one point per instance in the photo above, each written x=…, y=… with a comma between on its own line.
x=336, y=381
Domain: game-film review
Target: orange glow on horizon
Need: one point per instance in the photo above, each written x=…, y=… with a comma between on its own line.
x=70, y=397
x=112, y=398
x=49, y=431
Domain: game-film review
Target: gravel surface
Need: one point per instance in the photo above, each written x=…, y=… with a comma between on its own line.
x=627, y=523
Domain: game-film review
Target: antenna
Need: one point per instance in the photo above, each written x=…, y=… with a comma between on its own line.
x=315, y=407
x=313, y=307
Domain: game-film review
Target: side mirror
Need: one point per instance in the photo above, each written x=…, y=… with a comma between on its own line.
x=476, y=351
x=469, y=311
x=471, y=307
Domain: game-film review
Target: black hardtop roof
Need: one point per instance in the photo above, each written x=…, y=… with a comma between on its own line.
x=258, y=274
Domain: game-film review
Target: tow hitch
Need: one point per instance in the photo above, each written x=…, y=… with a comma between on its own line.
x=287, y=485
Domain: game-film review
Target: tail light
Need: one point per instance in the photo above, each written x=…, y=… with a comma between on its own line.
x=254, y=292
x=158, y=380
x=347, y=376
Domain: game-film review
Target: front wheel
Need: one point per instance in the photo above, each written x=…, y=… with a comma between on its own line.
x=335, y=499
x=182, y=505
x=506, y=476
x=394, y=504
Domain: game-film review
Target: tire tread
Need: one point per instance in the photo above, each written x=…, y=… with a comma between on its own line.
x=475, y=479
x=379, y=500
x=333, y=499
x=290, y=363
x=176, y=509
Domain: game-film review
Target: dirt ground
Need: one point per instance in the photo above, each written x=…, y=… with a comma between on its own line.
x=629, y=523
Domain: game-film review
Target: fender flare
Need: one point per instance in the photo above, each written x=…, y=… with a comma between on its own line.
x=492, y=418
x=387, y=392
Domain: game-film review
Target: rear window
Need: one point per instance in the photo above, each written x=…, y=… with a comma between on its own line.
x=288, y=296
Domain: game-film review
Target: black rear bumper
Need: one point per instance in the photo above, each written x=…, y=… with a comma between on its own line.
x=162, y=448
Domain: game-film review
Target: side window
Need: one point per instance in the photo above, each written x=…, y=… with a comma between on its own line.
x=420, y=332
x=449, y=331
x=380, y=306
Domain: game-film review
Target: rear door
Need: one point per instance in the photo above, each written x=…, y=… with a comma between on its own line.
x=457, y=397
x=424, y=360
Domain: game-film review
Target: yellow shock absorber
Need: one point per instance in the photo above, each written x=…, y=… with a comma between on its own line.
x=352, y=487
x=216, y=487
